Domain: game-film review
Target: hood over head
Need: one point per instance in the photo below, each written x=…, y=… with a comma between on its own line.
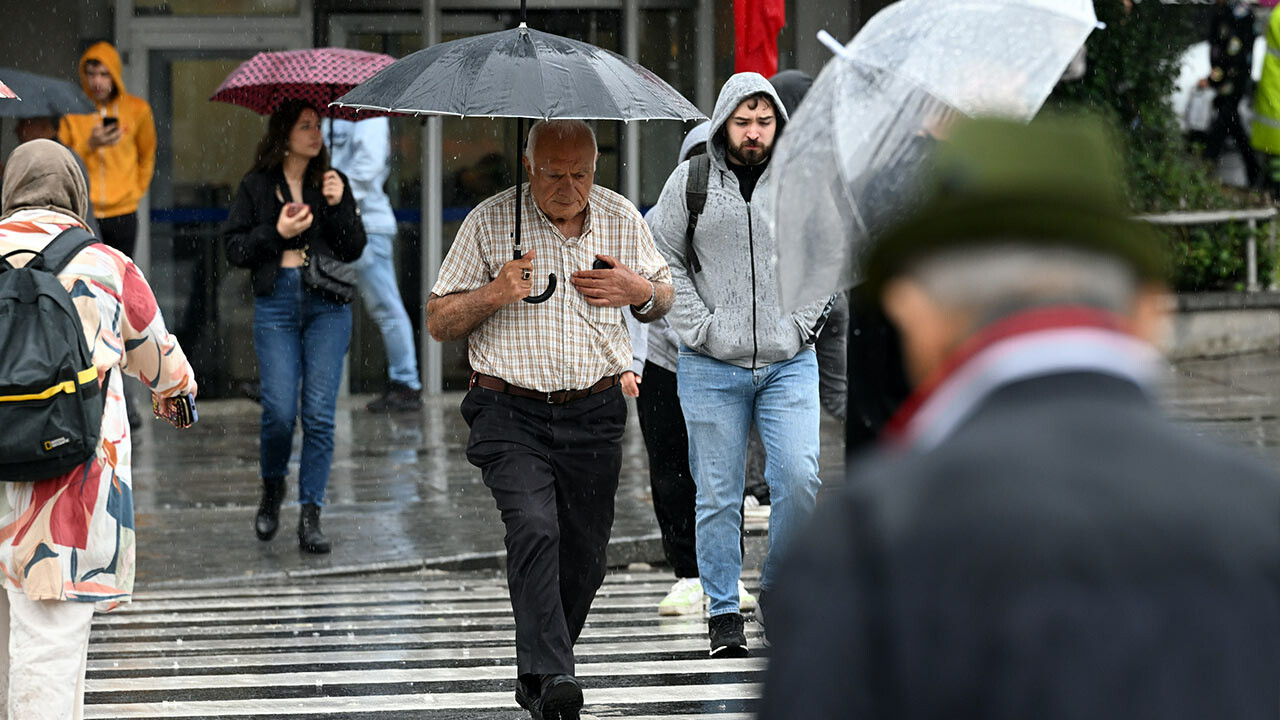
x=105, y=53
x=699, y=134
x=737, y=88
x=791, y=86
x=44, y=174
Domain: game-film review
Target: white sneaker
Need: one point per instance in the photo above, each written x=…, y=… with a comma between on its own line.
x=685, y=598
x=746, y=601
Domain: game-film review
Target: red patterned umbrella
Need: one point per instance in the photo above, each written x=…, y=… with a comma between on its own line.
x=318, y=76
x=7, y=94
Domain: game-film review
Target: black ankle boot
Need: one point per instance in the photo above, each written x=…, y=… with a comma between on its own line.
x=310, y=538
x=268, y=519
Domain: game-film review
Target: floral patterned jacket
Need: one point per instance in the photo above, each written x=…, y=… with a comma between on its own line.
x=72, y=537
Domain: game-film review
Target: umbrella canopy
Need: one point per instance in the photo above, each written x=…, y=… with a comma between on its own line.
x=7, y=94
x=43, y=96
x=846, y=163
x=317, y=75
x=521, y=73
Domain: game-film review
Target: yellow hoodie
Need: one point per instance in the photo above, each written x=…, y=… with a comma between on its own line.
x=119, y=174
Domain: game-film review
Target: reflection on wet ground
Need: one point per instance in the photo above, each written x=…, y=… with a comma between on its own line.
x=403, y=495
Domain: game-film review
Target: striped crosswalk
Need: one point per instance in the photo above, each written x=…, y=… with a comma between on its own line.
x=411, y=646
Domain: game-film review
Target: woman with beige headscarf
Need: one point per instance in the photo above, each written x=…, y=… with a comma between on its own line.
x=67, y=543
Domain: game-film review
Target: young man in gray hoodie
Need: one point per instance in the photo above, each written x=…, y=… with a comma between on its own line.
x=742, y=358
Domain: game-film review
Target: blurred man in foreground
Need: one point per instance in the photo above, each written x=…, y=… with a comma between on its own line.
x=1035, y=541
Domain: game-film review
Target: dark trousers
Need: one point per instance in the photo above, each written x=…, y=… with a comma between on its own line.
x=553, y=471
x=120, y=232
x=667, y=442
x=1227, y=123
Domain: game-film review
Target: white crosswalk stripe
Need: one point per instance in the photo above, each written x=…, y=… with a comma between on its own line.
x=407, y=646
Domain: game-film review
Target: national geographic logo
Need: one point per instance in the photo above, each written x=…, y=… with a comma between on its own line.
x=55, y=443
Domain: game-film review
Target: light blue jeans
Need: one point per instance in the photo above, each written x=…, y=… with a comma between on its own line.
x=720, y=401
x=376, y=278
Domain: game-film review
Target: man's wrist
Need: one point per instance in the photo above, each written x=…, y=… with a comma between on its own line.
x=645, y=307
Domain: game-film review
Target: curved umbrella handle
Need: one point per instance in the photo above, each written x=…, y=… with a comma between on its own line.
x=546, y=294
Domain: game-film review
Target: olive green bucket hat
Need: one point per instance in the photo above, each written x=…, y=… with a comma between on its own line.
x=1054, y=183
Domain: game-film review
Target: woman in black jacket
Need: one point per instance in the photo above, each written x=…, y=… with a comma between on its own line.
x=289, y=209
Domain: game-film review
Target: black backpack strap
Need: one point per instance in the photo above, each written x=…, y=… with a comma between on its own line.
x=62, y=249
x=695, y=199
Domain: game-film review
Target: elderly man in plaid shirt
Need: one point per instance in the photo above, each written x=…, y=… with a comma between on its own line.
x=545, y=409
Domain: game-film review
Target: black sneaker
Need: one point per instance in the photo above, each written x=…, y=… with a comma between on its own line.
x=397, y=398
x=727, y=637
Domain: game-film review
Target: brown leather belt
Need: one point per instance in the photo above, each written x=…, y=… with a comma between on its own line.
x=557, y=397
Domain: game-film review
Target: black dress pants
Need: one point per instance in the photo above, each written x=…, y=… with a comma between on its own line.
x=667, y=442
x=553, y=471
x=121, y=232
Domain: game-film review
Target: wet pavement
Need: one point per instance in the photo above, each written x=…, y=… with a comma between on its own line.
x=402, y=495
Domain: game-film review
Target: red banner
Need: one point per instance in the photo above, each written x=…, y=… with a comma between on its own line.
x=756, y=26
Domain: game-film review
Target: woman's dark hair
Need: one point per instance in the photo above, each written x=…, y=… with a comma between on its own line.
x=272, y=147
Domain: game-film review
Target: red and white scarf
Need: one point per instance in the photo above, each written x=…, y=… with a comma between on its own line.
x=1035, y=343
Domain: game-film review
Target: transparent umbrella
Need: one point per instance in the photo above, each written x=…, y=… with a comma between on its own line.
x=846, y=165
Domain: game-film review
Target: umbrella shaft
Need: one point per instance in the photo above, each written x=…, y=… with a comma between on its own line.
x=516, y=249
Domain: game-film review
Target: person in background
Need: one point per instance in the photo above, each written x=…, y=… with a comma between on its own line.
x=1032, y=539
x=117, y=142
x=1265, y=137
x=362, y=150
x=1231, y=37
x=652, y=381
x=742, y=359
x=68, y=542
x=288, y=209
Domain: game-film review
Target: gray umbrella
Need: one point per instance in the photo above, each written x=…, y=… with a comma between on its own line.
x=42, y=96
x=521, y=73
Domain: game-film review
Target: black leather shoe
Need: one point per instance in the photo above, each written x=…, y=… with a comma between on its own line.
x=310, y=538
x=561, y=697
x=268, y=519
x=554, y=697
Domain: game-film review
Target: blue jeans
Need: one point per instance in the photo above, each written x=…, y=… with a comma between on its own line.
x=300, y=339
x=720, y=401
x=376, y=278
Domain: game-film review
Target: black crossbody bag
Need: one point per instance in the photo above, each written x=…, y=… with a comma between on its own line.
x=328, y=276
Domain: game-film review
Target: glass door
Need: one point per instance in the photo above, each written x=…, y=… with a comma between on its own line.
x=203, y=148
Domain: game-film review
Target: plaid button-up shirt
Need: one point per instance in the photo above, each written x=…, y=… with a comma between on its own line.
x=563, y=343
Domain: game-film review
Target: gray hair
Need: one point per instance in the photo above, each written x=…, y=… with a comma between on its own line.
x=993, y=281
x=561, y=129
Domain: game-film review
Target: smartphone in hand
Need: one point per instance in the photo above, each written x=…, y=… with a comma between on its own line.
x=182, y=411
x=110, y=121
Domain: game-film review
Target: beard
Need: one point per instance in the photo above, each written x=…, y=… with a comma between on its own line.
x=749, y=153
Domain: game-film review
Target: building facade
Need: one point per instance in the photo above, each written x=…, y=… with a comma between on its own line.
x=176, y=53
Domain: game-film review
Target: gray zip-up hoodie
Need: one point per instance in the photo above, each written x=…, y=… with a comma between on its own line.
x=731, y=310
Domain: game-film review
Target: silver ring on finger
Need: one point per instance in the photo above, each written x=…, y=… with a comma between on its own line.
x=525, y=273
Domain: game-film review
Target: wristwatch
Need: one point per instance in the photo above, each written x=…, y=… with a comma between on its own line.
x=653, y=295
